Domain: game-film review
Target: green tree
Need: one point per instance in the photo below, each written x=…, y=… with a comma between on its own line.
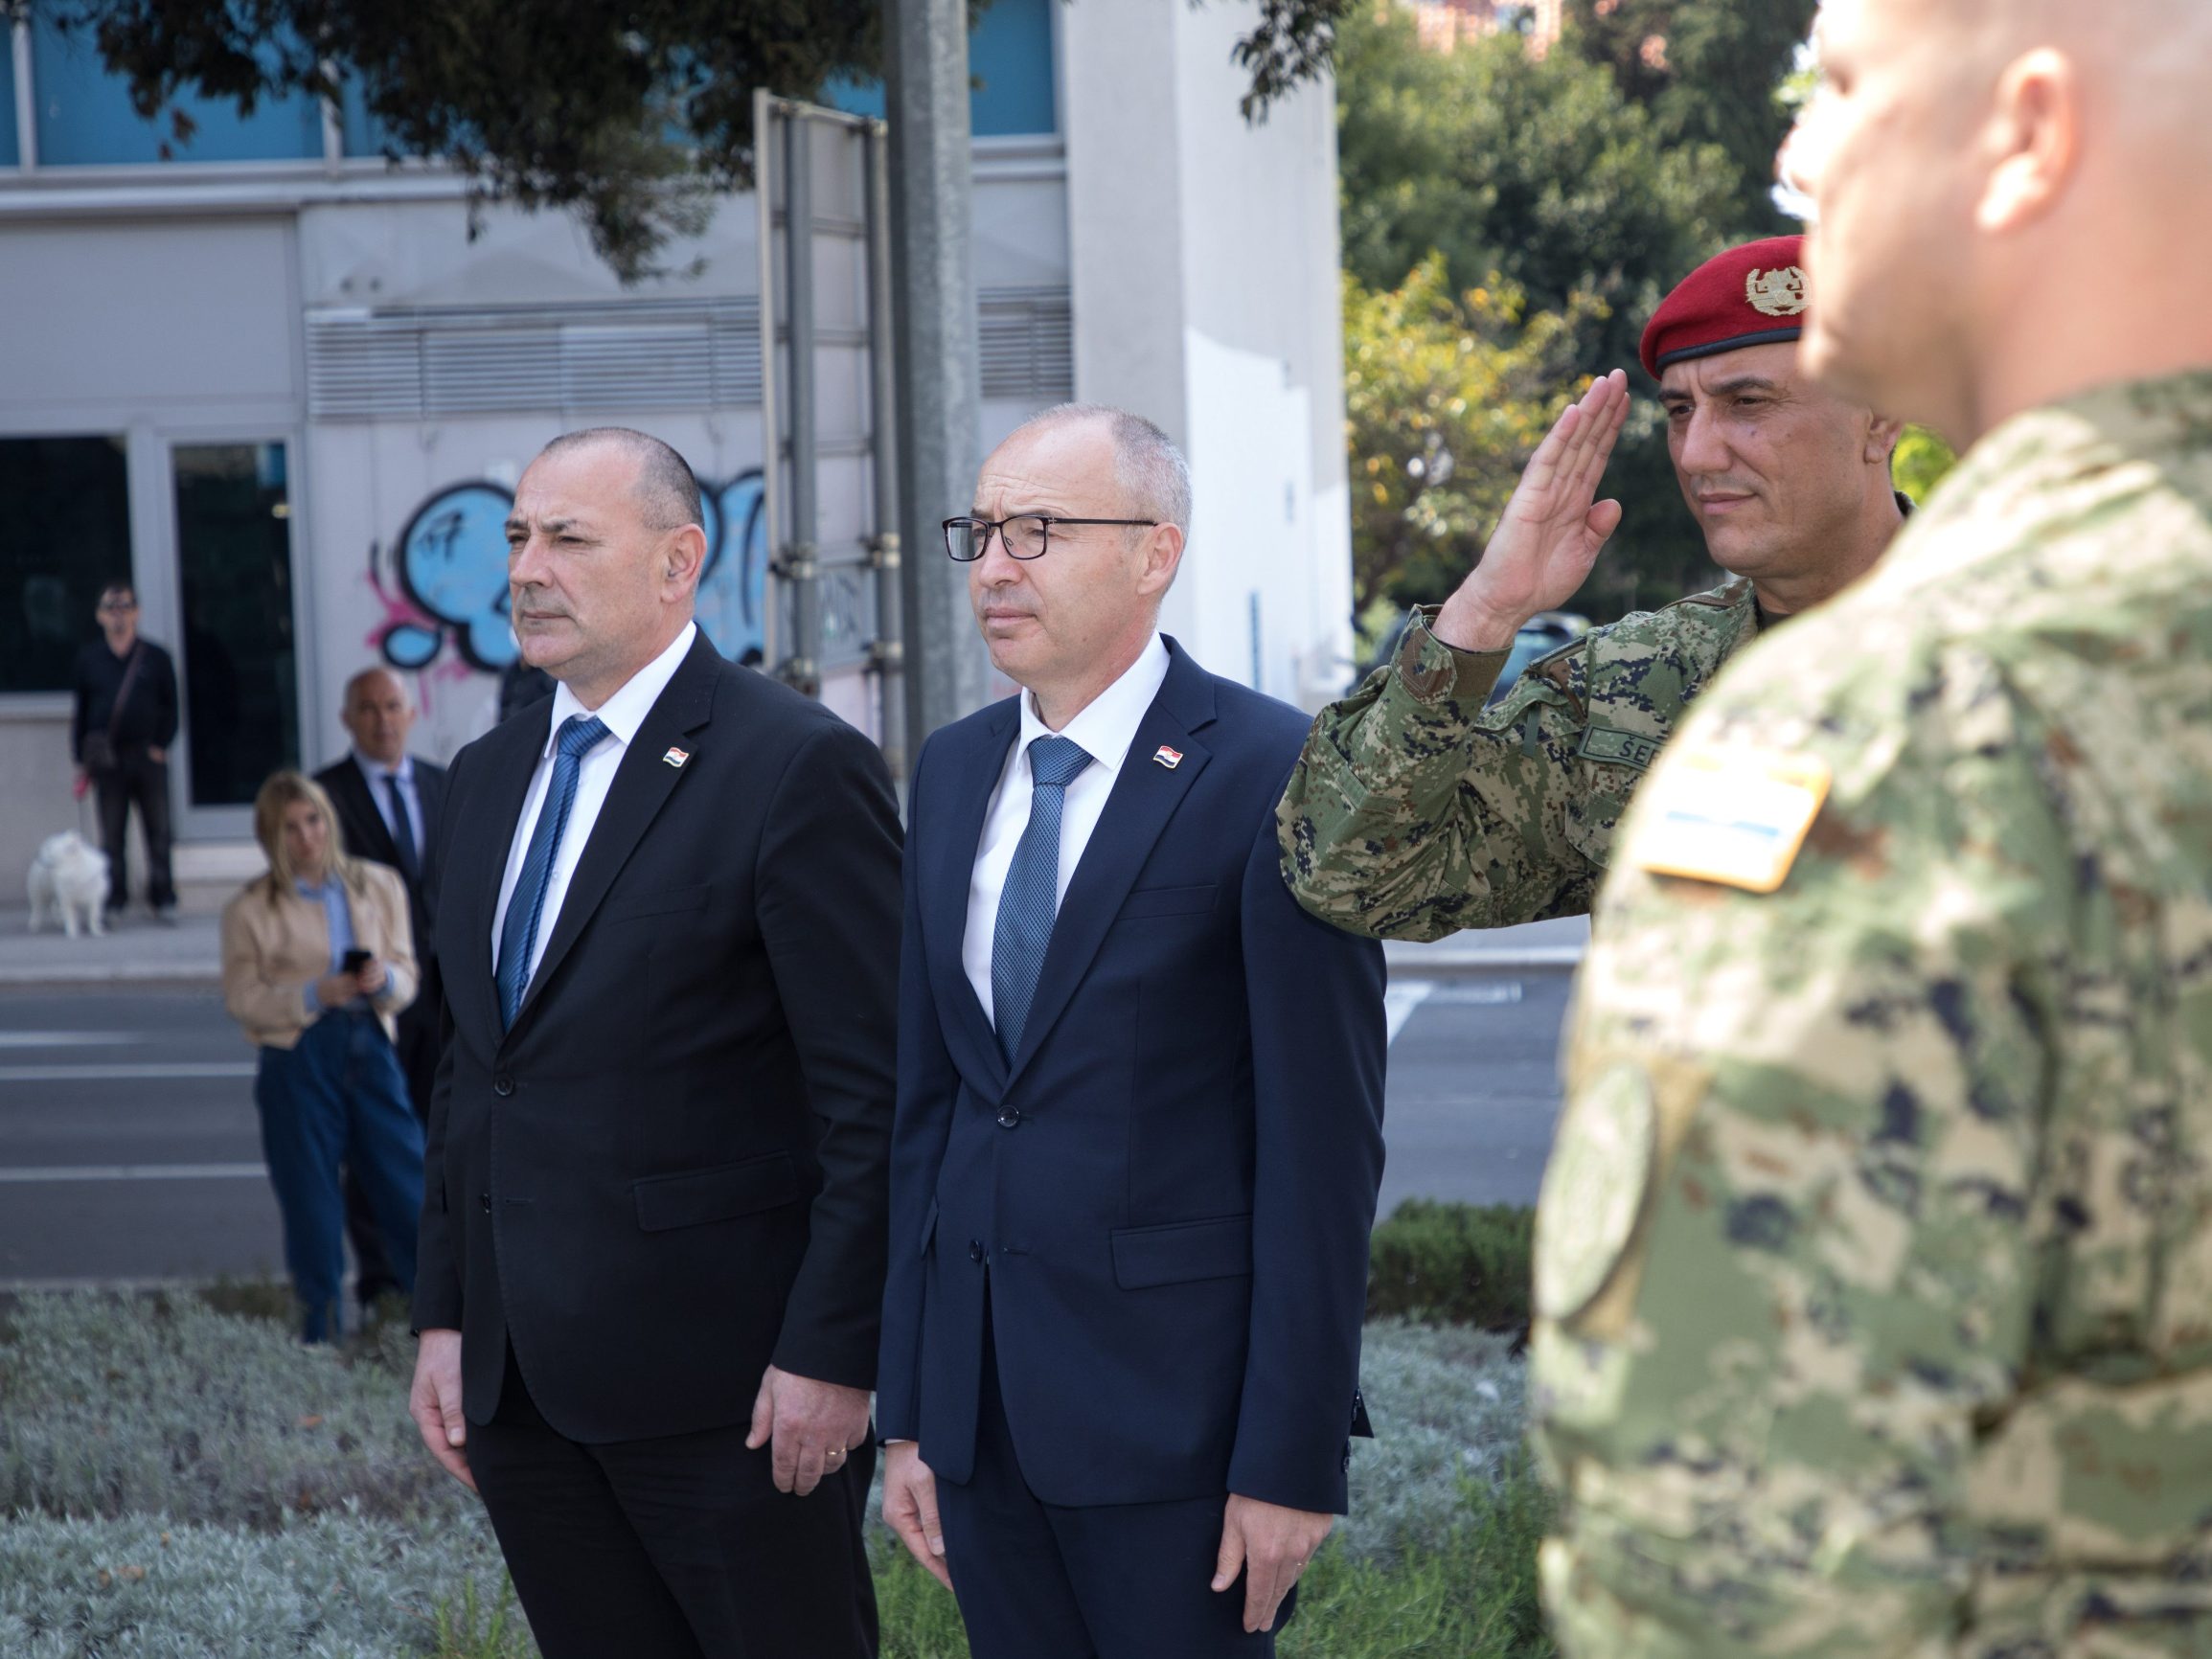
x=1921, y=461
x=1546, y=172
x=1446, y=398
x=1707, y=71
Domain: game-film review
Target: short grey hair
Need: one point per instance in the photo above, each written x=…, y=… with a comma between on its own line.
x=667, y=489
x=1150, y=469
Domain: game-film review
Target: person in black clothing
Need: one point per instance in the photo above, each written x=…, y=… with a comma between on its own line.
x=388, y=801
x=120, y=733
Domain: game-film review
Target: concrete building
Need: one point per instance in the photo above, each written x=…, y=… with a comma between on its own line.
x=273, y=380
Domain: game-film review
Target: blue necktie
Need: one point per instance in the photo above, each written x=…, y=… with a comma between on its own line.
x=526, y=905
x=1031, y=898
x=402, y=826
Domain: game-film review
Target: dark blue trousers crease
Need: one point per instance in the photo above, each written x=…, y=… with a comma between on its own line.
x=1038, y=1580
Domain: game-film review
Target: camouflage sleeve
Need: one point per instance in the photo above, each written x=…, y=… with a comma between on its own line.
x=1787, y=1264
x=1413, y=813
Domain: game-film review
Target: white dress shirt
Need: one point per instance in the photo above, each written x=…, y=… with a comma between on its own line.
x=1104, y=730
x=381, y=792
x=623, y=712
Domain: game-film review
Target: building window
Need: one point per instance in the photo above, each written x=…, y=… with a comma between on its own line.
x=65, y=531
x=84, y=118
x=10, y=156
x=234, y=552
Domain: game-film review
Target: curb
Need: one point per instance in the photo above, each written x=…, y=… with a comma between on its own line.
x=124, y=976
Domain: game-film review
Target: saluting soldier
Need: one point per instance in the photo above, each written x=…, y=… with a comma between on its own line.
x=1874, y=1261
x=1413, y=813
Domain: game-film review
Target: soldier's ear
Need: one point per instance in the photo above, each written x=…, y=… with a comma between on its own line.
x=1883, y=432
x=2034, y=134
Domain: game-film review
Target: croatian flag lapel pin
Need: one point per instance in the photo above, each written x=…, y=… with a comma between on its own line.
x=676, y=758
x=1169, y=758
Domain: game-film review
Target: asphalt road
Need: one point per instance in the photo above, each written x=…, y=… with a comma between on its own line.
x=129, y=1149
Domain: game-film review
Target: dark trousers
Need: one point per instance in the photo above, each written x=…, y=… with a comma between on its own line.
x=417, y=1051
x=336, y=1101
x=137, y=778
x=675, y=1548
x=1118, y=1582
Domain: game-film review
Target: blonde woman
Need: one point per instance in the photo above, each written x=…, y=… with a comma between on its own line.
x=317, y=960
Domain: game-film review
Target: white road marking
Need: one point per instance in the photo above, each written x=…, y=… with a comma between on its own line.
x=135, y=1173
x=1400, y=1001
x=68, y=1039
x=160, y=1071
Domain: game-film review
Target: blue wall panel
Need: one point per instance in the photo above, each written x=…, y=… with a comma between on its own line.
x=85, y=116
x=1010, y=55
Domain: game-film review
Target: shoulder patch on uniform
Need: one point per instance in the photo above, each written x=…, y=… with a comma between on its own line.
x=1735, y=817
x=1635, y=749
x=1593, y=1189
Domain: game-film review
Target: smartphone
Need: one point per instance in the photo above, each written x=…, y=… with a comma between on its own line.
x=354, y=961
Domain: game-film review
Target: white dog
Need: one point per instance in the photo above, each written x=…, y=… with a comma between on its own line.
x=70, y=876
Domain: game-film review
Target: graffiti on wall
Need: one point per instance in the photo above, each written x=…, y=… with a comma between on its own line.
x=443, y=580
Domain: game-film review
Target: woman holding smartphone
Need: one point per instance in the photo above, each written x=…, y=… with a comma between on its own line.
x=317, y=960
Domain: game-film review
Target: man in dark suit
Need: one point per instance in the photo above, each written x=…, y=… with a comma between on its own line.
x=388, y=803
x=1140, y=1102
x=653, y=1226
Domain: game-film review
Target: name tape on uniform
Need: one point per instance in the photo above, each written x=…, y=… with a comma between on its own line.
x=1733, y=817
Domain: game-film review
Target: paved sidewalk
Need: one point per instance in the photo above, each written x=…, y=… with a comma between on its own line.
x=138, y=952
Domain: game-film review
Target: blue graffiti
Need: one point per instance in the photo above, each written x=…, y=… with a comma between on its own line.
x=451, y=563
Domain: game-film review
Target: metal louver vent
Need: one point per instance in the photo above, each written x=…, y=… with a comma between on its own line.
x=421, y=363
x=1025, y=338
x=417, y=364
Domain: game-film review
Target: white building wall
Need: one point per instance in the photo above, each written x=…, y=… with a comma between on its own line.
x=1205, y=291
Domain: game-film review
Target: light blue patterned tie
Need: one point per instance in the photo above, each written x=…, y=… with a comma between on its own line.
x=1031, y=898
x=526, y=905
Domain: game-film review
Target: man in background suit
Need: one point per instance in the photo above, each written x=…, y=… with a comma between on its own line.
x=654, y=1224
x=387, y=802
x=1140, y=1104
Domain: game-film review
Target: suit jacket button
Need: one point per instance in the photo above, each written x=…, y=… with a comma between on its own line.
x=975, y=1250
x=503, y=1085
x=1009, y=1118
x=485, y=1199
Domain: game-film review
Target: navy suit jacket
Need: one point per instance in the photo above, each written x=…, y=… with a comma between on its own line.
x=1169, y=1189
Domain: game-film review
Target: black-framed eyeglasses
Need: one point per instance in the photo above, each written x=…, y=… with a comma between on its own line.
x=118, y=606
x=1024, y=535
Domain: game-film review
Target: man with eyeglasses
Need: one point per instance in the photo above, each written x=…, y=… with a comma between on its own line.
x=1140, y=1097
x=120, y=731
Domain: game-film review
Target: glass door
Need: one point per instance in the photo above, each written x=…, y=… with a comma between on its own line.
x=234, y=554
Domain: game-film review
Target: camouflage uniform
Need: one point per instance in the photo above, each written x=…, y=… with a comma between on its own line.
x=1414, y=813
x=1874, y=1262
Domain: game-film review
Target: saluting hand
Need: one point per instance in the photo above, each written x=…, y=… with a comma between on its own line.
x=1553, y=529
x=813, y=1425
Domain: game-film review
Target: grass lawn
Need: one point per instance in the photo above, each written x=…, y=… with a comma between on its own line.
x=178, y=1477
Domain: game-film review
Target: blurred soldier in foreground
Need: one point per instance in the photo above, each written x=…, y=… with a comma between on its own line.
x=1874, y=1262
x=1413, y=811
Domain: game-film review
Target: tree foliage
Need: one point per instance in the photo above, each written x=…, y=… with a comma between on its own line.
x=1446, y=398
x=627, y=112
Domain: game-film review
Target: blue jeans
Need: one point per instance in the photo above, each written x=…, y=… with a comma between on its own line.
x=338, y=1099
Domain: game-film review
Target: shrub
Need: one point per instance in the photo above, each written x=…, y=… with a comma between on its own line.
x=336, y=1586
x=1452, y=1263
x=113, y=1406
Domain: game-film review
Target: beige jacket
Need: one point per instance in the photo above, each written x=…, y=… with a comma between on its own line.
x=273, y=952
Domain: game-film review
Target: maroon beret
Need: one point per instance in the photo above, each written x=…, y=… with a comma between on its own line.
x=1750, y=296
